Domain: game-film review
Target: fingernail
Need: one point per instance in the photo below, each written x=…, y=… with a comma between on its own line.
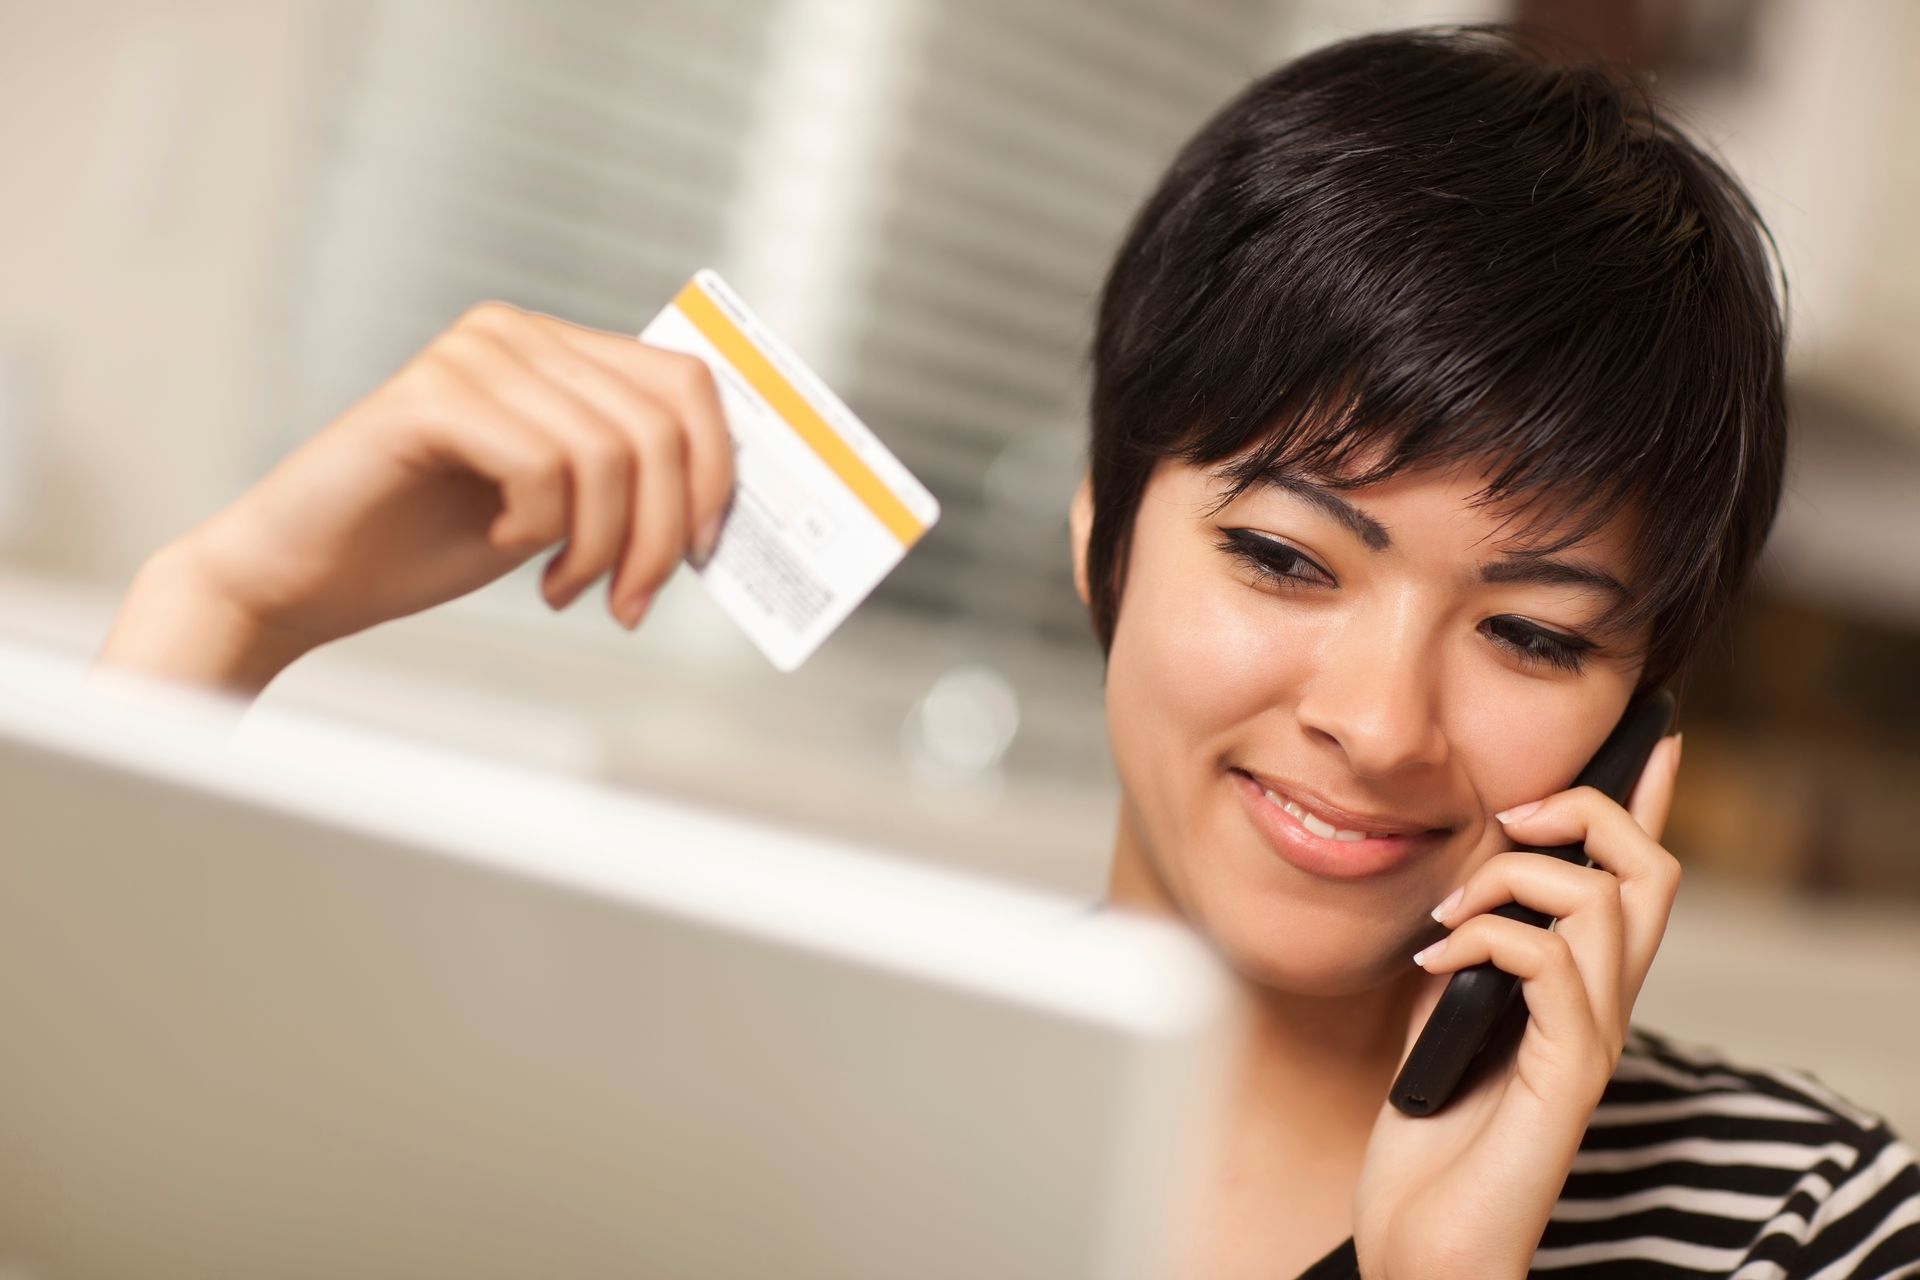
x=1519, y=811
x=703, y=543
x=1421, y=957
x=631, y=611
x=1453, y=900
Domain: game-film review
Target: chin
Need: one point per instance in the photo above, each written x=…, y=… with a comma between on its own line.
x=1297, y=949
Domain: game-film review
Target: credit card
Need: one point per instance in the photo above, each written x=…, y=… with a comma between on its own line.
x=821, y=510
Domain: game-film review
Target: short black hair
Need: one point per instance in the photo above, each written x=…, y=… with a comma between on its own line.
x=1455, y=245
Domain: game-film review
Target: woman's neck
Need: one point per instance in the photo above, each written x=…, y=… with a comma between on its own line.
x=1313, y=1070
x=1319, y=1066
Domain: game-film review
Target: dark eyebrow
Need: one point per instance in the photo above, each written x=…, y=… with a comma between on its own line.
x=1369, y=530
x=1536, y=570
x=1524, y=569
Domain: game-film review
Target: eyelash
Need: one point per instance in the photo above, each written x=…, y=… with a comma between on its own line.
x=1276, y=563
x=1270, y=559
x=1535, y=645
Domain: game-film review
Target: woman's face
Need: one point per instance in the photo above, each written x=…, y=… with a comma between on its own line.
x=1384, y=661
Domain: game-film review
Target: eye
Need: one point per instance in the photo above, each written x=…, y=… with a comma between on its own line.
x=1534, y=644
x=1273, y=560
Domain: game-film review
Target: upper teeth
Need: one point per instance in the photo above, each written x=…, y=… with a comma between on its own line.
x=1325, y=830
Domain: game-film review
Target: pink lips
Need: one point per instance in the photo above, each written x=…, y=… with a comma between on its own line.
x=1319, y=856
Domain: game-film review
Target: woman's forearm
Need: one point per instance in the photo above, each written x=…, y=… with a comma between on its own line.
x=175, y=625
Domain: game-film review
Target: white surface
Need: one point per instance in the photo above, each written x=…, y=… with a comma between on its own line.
x=575, y=692
x=311, y=1002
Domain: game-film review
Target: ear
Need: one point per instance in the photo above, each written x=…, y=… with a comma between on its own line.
x=1080, y=525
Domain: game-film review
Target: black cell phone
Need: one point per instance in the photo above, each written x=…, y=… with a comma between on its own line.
x=1479, y=1017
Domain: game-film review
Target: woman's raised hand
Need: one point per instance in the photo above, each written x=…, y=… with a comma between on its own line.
x=509, y=432
x=1467, y=1191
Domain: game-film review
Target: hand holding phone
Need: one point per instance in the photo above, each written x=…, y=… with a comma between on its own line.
x=1478, y=1017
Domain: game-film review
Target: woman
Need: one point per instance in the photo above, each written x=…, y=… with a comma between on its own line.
x=1437, y=409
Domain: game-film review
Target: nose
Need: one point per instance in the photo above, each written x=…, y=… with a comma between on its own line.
x=1375, y=695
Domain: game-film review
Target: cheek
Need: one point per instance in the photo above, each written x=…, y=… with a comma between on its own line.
x=1197, y=655
x=1521, y=742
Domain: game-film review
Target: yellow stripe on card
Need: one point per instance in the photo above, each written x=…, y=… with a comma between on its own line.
x=720, y=330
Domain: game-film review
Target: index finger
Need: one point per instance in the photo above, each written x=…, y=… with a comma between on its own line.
x=1652, y=795
x=685, y=385
x=1615, y=841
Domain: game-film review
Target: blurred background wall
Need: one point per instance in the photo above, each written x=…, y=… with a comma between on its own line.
x=223, y=222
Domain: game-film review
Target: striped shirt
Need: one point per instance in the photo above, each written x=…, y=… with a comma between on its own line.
x=1692, y=1166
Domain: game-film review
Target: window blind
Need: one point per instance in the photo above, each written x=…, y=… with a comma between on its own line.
x=922, y=195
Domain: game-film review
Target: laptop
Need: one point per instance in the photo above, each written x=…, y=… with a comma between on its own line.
x=280, y=997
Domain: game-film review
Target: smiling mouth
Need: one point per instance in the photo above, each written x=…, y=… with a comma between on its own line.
x=1329, y=830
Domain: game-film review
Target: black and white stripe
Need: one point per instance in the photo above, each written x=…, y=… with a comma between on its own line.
x=1693, y=1166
